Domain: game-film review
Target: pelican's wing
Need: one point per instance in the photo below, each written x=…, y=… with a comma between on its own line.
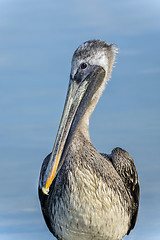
x=44, y=199
x=124, y=165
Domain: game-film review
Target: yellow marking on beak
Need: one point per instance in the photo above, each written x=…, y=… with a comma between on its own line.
x=51, y=176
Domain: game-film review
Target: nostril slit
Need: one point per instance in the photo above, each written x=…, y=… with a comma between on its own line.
x=78, y=77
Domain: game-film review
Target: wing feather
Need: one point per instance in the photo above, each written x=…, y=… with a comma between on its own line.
x=125, y=167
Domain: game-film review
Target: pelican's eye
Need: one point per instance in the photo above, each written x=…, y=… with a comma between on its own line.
x=82, y=72
x=84, y=65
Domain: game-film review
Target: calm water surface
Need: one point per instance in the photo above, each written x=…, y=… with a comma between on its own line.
x=37, y=40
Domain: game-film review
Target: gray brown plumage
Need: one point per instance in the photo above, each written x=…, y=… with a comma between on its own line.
x=85, y=194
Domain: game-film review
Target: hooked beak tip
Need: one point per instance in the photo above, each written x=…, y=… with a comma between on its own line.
x=45, y=190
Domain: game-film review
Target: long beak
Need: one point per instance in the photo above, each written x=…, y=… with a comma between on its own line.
x=78, y=98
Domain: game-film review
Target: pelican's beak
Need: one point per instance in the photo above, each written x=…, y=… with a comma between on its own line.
x=80, y=92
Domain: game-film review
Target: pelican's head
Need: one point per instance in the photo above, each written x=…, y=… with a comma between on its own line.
x=91, y=67
x=94, y=52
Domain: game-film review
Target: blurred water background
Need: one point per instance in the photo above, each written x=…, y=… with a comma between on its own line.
x=37, y=40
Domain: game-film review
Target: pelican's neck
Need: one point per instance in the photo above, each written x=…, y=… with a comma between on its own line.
x=84, y=126
x=84, y=123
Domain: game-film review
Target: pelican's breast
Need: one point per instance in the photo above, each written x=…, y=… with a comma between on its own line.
x=88, y=207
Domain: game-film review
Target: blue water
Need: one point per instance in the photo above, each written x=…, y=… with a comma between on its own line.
x=37, y=40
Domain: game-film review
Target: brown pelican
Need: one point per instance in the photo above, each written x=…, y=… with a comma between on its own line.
x=85, y=194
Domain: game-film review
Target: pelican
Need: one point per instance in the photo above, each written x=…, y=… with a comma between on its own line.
x=85, y=194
